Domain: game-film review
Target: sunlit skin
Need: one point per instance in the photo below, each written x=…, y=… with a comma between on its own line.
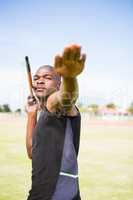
x=45, y=82
x=68, y=65
x=71, y=62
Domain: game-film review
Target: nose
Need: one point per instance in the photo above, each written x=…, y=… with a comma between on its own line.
x=41, y=80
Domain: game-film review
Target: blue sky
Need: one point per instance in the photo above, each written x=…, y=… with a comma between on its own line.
x=42, y=29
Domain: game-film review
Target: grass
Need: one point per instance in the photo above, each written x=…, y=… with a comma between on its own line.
x=105, y=160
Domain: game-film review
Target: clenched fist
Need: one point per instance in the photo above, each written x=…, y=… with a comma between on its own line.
x=32, y=105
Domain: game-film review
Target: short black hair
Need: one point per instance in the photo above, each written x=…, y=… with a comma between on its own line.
x=51, y=68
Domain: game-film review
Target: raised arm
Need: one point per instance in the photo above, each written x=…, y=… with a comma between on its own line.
x=69, y=65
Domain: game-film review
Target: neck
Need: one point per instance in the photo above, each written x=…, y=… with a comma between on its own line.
x=42, y=102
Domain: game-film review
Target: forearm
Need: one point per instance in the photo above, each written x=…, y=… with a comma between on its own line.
x=69, y=91
x=31, y=122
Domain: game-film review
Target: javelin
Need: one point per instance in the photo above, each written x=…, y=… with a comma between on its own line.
x=29, y=74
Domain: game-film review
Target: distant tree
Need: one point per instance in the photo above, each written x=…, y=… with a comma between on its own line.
x=1, y=109
x=6, y=108
x=18, y=110
x=94, y=108
x=130, y=109
x=111, y=106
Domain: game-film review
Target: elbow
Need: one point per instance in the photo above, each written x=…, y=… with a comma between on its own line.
x=69, y=98
x=68, y=103
x=29, y=154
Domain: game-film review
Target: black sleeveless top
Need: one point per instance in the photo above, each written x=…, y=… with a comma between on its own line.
x=47, y=150
x=68, y=183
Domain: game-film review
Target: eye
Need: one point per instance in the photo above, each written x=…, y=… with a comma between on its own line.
x=35, y=78
x=49, y=77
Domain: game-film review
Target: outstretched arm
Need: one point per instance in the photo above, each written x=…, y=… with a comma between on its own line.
x=69, y=65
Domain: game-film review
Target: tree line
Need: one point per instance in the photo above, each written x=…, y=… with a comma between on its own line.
x=94, y=108
x=5, y=108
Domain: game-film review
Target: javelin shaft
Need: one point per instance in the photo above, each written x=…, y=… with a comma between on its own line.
x=29, y=74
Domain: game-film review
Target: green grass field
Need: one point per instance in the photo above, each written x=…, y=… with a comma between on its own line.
x=105, y=160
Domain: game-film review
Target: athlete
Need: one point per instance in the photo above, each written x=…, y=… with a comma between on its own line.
x=53, y=138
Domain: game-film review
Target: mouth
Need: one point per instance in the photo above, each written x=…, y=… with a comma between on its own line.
x=40, y=89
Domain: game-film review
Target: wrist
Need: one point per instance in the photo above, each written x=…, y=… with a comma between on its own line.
x=66, y=78
x=32, y=114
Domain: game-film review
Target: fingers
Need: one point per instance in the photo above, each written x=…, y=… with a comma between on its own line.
x=72, y=52
x=83, y=59
x=31, y=100
x=76, y=50
x=58, y=61
x=71, y=63
x=67, y=53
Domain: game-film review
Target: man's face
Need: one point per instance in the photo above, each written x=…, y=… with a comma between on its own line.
x=44, y=82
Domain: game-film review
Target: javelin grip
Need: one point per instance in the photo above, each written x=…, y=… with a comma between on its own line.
x=29, y=74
